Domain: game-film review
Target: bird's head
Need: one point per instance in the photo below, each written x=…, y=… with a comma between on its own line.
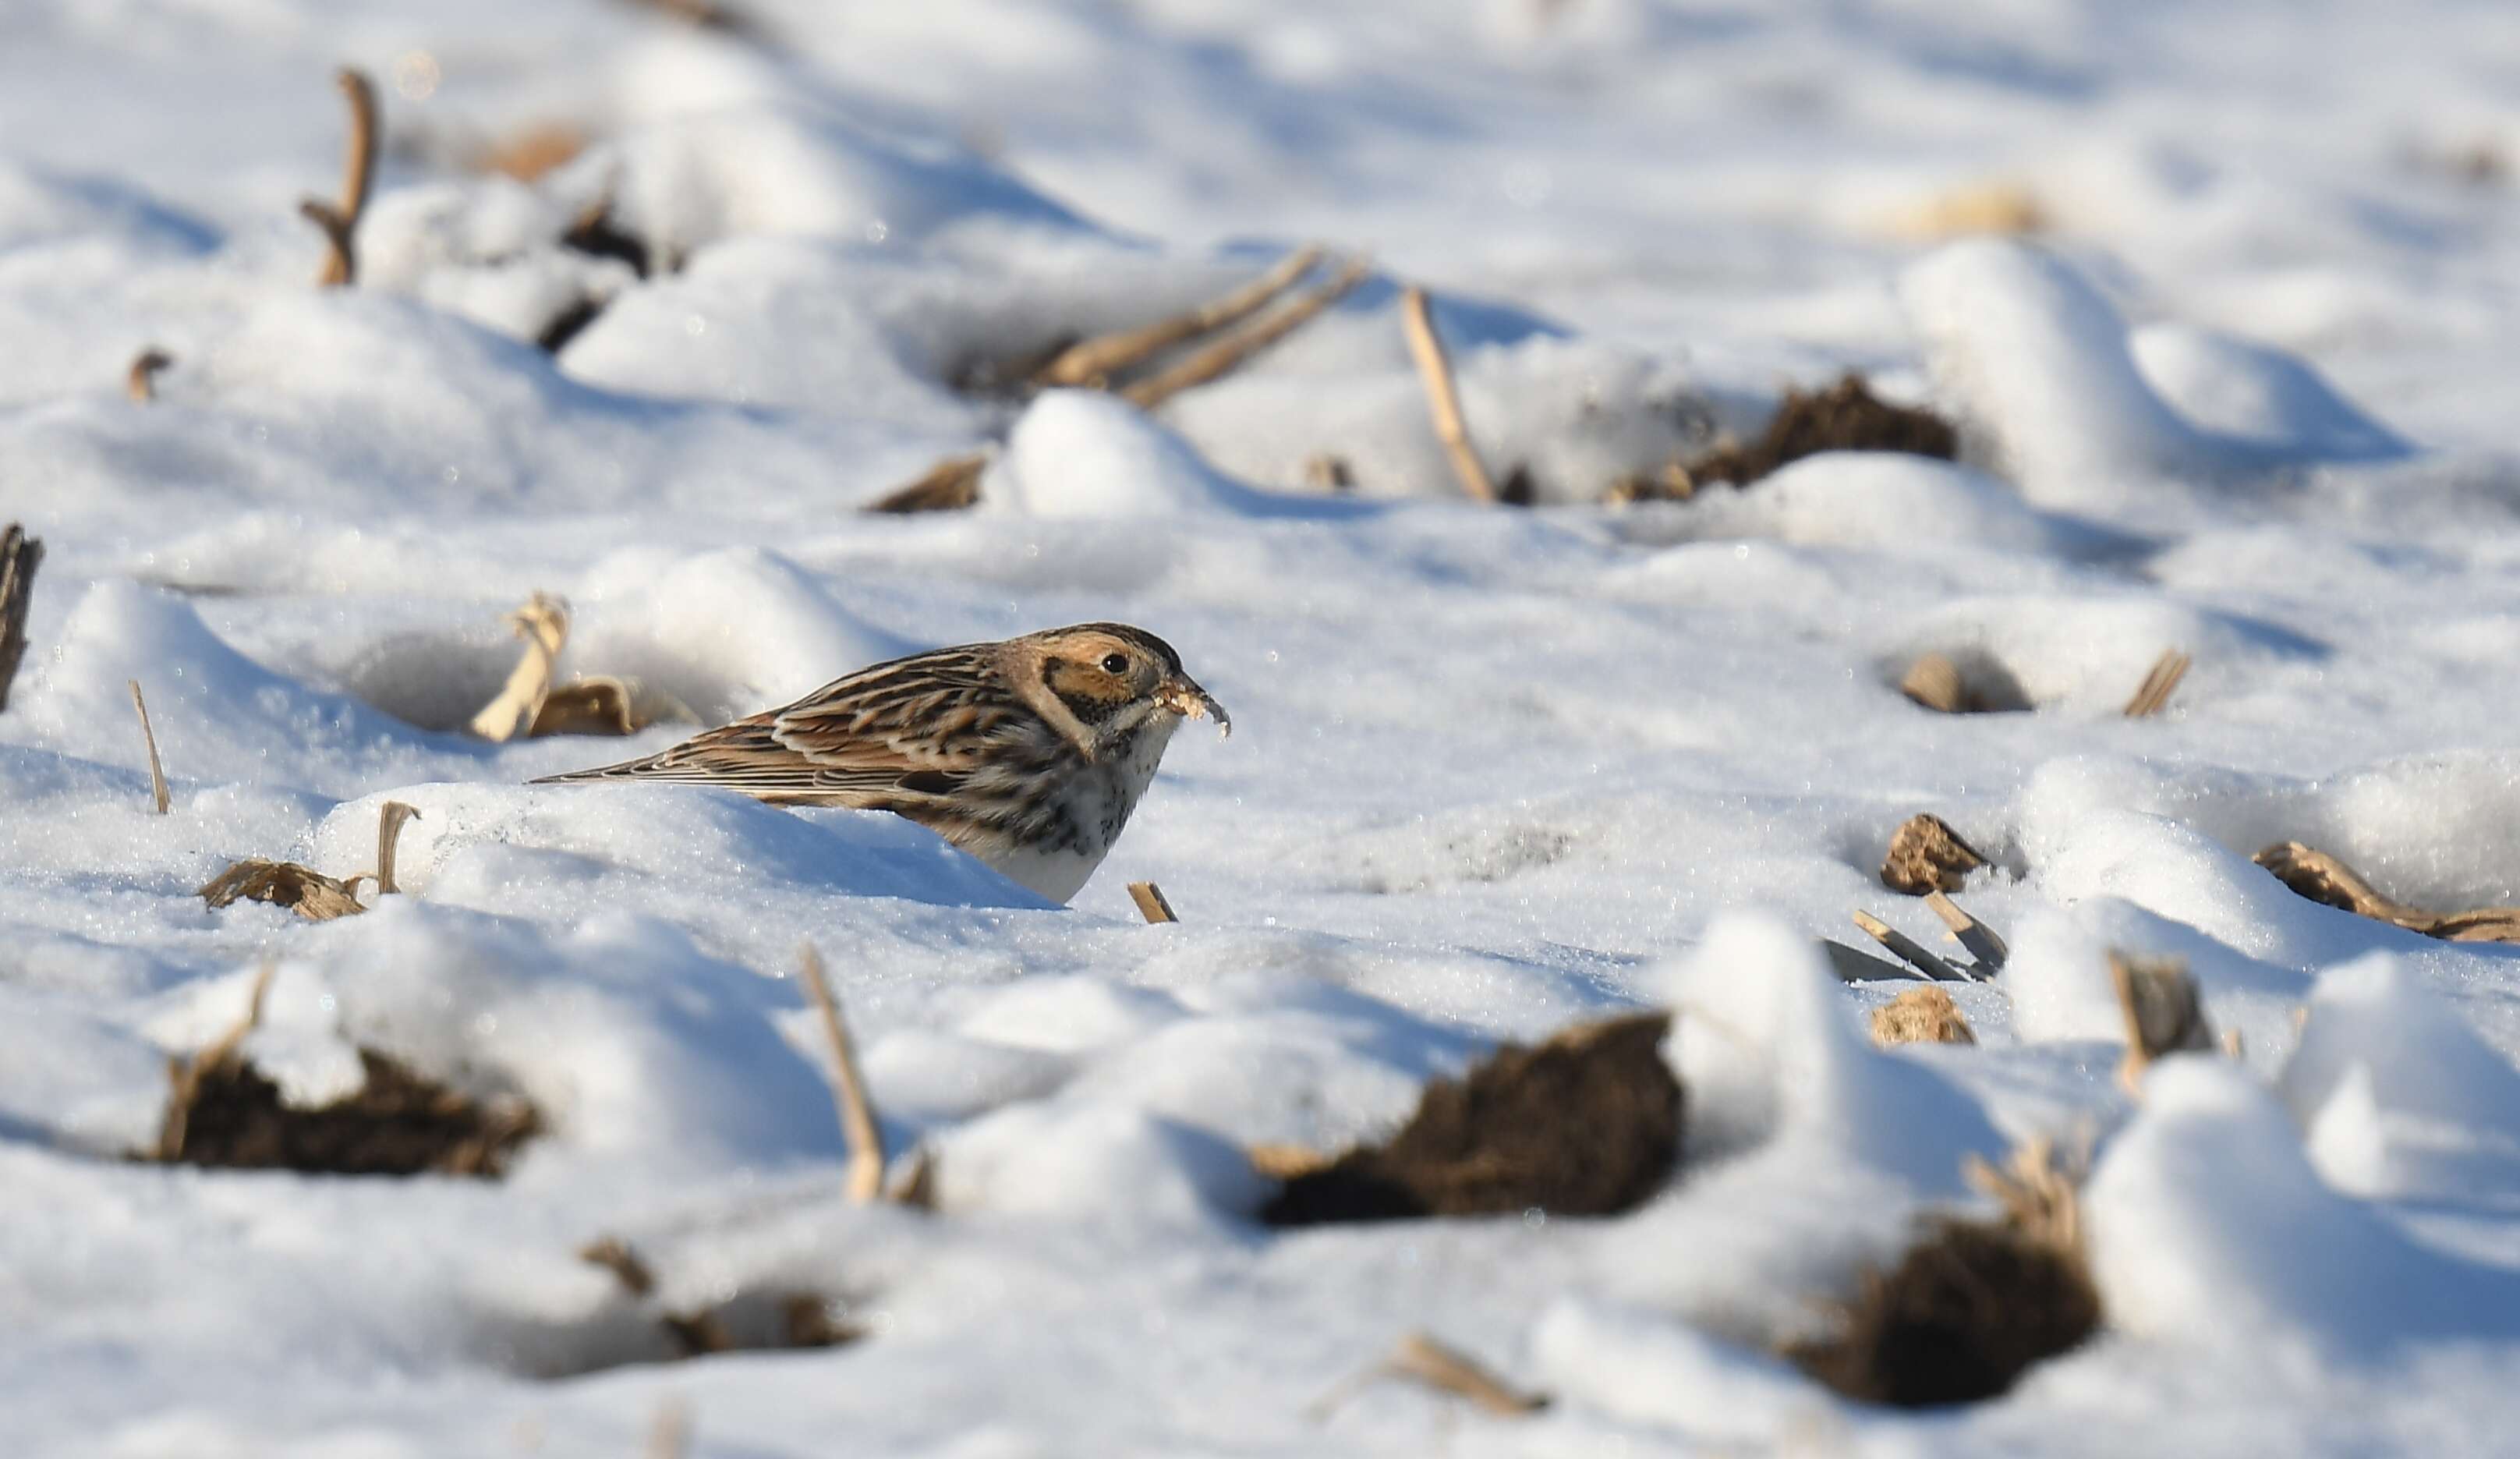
x=1115, y=679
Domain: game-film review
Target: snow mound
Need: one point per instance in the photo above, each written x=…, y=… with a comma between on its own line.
x=40, y=208
x=2043, y=367
x=1646, y=1367
x=688, y=181
x=513, y=847
x=1766, y=1048
x=1099, y=1161
x=1083, y=453
x=2085, y=655
x=2208, y=1224
x=1896, y=502
x=2399, y=1095
x=725, y=633
x=2249, y=392
x=218, y=716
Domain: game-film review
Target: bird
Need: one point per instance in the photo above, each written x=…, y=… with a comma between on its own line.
x=1028, y=753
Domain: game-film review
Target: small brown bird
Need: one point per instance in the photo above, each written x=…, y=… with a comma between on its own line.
x=1028, y=753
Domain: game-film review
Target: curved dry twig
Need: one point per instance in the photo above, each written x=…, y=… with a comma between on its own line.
x=340, y=221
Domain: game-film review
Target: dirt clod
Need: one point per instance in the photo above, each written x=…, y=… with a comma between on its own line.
x=1845, y=417
x=1927, y=855
x=1587, y=1123
x=398, y=1123
x=1959, y=1319
x=1920, y=1016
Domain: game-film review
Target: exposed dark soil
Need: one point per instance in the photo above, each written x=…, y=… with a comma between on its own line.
x=1845, y=417
x=1960, y=1319
x=400, y=1124
x=1587, y=1123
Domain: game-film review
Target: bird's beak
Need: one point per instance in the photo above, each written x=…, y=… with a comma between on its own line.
x=1188, y=699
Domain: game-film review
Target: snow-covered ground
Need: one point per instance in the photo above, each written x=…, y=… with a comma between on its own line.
x=1494, y=771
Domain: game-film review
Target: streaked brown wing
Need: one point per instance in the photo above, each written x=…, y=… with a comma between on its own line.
x=890, y=736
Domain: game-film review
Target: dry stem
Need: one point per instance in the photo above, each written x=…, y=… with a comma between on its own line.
x=19, y=557
x=1935, y=682
x=1907, y=950
x=1152, y=905
x=1423, y=1359
x=857, y=1111
x=141, y=383
x=389, y=819
x=2322, y=878
x=2163, y=1013
x=1979, y=938
x=1242, y=343
x=340, y=221
x=543, y=624
x=186, y=1077
x=2039, y=1190
x=1093, y=363
x=149, y=737
x=950, y=486
x=1435, y=372
x=2153, y=694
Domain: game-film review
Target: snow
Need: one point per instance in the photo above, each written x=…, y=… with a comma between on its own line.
x=1494, y=772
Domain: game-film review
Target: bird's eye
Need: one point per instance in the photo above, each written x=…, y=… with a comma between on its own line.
x=1114, y=663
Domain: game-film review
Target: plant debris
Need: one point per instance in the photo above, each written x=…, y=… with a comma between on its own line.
x=2163, y=1013
x=303, y=890
x=1233, y=329
x=1979, y=939
x=19, y=557
x=1925, y=1015
x=1153, y=905
x=950, y=486
x=1973, y=1304
x=341, y=221
x=1418, y=1357
x=848, y=1086
x=2152, y=695
x=1909, y=952
x=2323, y=879
x=529, y=705
x=1845, y=417
x=140, y=382
x=1587, y=1123
x=597, y=236
x=745, y=1322
x=1927, y=855
x=1443, y=400
x=149, y=738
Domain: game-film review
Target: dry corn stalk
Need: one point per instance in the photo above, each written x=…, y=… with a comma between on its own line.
x=950, y=486
x=2322, y=878
x=1907, y=950
x=543, y=624
x=1420, y=1358
x=1979, y=938
x=2163, y=1013
x=848, y=1086
x=2153, y=694
x=1214, y=360
x=1925, y=1015
x=149, y=738
x=1443, y=400
x=1150, y=901
x=19, y=557
x=140, y=382
x=2040, y=1190
x=1091, y=363
x=1934, y=681
x=341, y=221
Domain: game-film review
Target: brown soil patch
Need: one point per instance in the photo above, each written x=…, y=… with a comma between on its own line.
x=1844, y=416
x=1927, y=855
x=1961, y=1316
x=399, y=1123
x=1587, y=1123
